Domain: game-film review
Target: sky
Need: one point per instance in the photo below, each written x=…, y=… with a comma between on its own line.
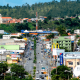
x=20, y=2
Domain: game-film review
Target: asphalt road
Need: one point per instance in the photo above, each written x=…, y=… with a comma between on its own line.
x=41, y=62
x=29, y=63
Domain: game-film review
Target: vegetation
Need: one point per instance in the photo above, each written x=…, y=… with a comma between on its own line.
x=54, y=8
x=61, y=73
x=18, y=70
x=16, y=27
x=78, y=42
x=3, y=68
x=34, y=51
x=50, y=36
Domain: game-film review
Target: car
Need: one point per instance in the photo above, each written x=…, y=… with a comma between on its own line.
x=37, y=78
x=43, y=68
x=37, y=71
x=41, y=76
x=30, y=59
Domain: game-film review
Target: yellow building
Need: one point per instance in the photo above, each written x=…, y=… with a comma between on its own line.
x=72, y=60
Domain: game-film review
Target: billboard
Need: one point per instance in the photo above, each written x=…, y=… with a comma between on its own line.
x=14, y=55
x=61, y=58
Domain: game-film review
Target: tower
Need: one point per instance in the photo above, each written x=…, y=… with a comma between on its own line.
x=36, y=21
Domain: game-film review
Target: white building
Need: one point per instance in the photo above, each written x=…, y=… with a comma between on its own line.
x=77, y=31
x=4, y=19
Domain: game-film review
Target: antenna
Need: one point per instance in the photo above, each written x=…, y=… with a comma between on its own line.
x=36, y=21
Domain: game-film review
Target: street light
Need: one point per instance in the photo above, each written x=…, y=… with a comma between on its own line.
x=68, y=73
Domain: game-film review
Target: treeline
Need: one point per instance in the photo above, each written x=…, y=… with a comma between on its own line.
x=17, y=27
x=68, y=23
x=54, y=8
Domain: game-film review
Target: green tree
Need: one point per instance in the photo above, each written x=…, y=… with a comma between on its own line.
x=18, y=70
x=61, y=72
x=62, y=30
x=78, y=42
x=50, y=36
x=3, y=69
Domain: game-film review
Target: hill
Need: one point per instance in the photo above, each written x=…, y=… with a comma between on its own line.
x=54, y=9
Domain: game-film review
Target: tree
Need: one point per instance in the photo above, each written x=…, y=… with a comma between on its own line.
x=78, y=42
x=18, y=70
x=50, y=36
x=62, y=30
x=29, y=77
x=49, y=17
x=61, y=72
x=3, y=69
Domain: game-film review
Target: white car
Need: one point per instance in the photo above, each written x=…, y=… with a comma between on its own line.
x=37, y=71
x=37, y=78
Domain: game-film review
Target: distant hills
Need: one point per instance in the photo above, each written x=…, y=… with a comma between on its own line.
x=54, y=9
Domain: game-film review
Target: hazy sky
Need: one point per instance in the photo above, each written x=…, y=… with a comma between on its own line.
x=20, y=2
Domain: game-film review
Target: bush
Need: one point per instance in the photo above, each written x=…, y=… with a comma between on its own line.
x=55, y=77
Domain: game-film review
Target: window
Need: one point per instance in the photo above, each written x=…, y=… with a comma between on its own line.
x=58, y=56
x=77, y=63
x=58, y=61
x=66, y=41
x=71, y=68
x=57, y=41
x=66, y=44
x=70, y=63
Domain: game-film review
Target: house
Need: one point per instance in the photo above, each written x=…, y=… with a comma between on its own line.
x=4, y=19
x=14, y=21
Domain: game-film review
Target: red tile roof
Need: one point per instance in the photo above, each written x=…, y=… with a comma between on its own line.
x=45, y=17
x=14, y=21
x=26, y=18
x=6, y=18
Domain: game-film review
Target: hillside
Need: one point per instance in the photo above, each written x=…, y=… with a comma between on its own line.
x=54, y=8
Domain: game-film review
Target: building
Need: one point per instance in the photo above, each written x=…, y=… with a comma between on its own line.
x=12, y=34
x=63, y=41
x=15, y=21
x=1, y=31
x=47, y=44
x=72, y=59
x=77, y=31
x=4, y=19
x=12, y=58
